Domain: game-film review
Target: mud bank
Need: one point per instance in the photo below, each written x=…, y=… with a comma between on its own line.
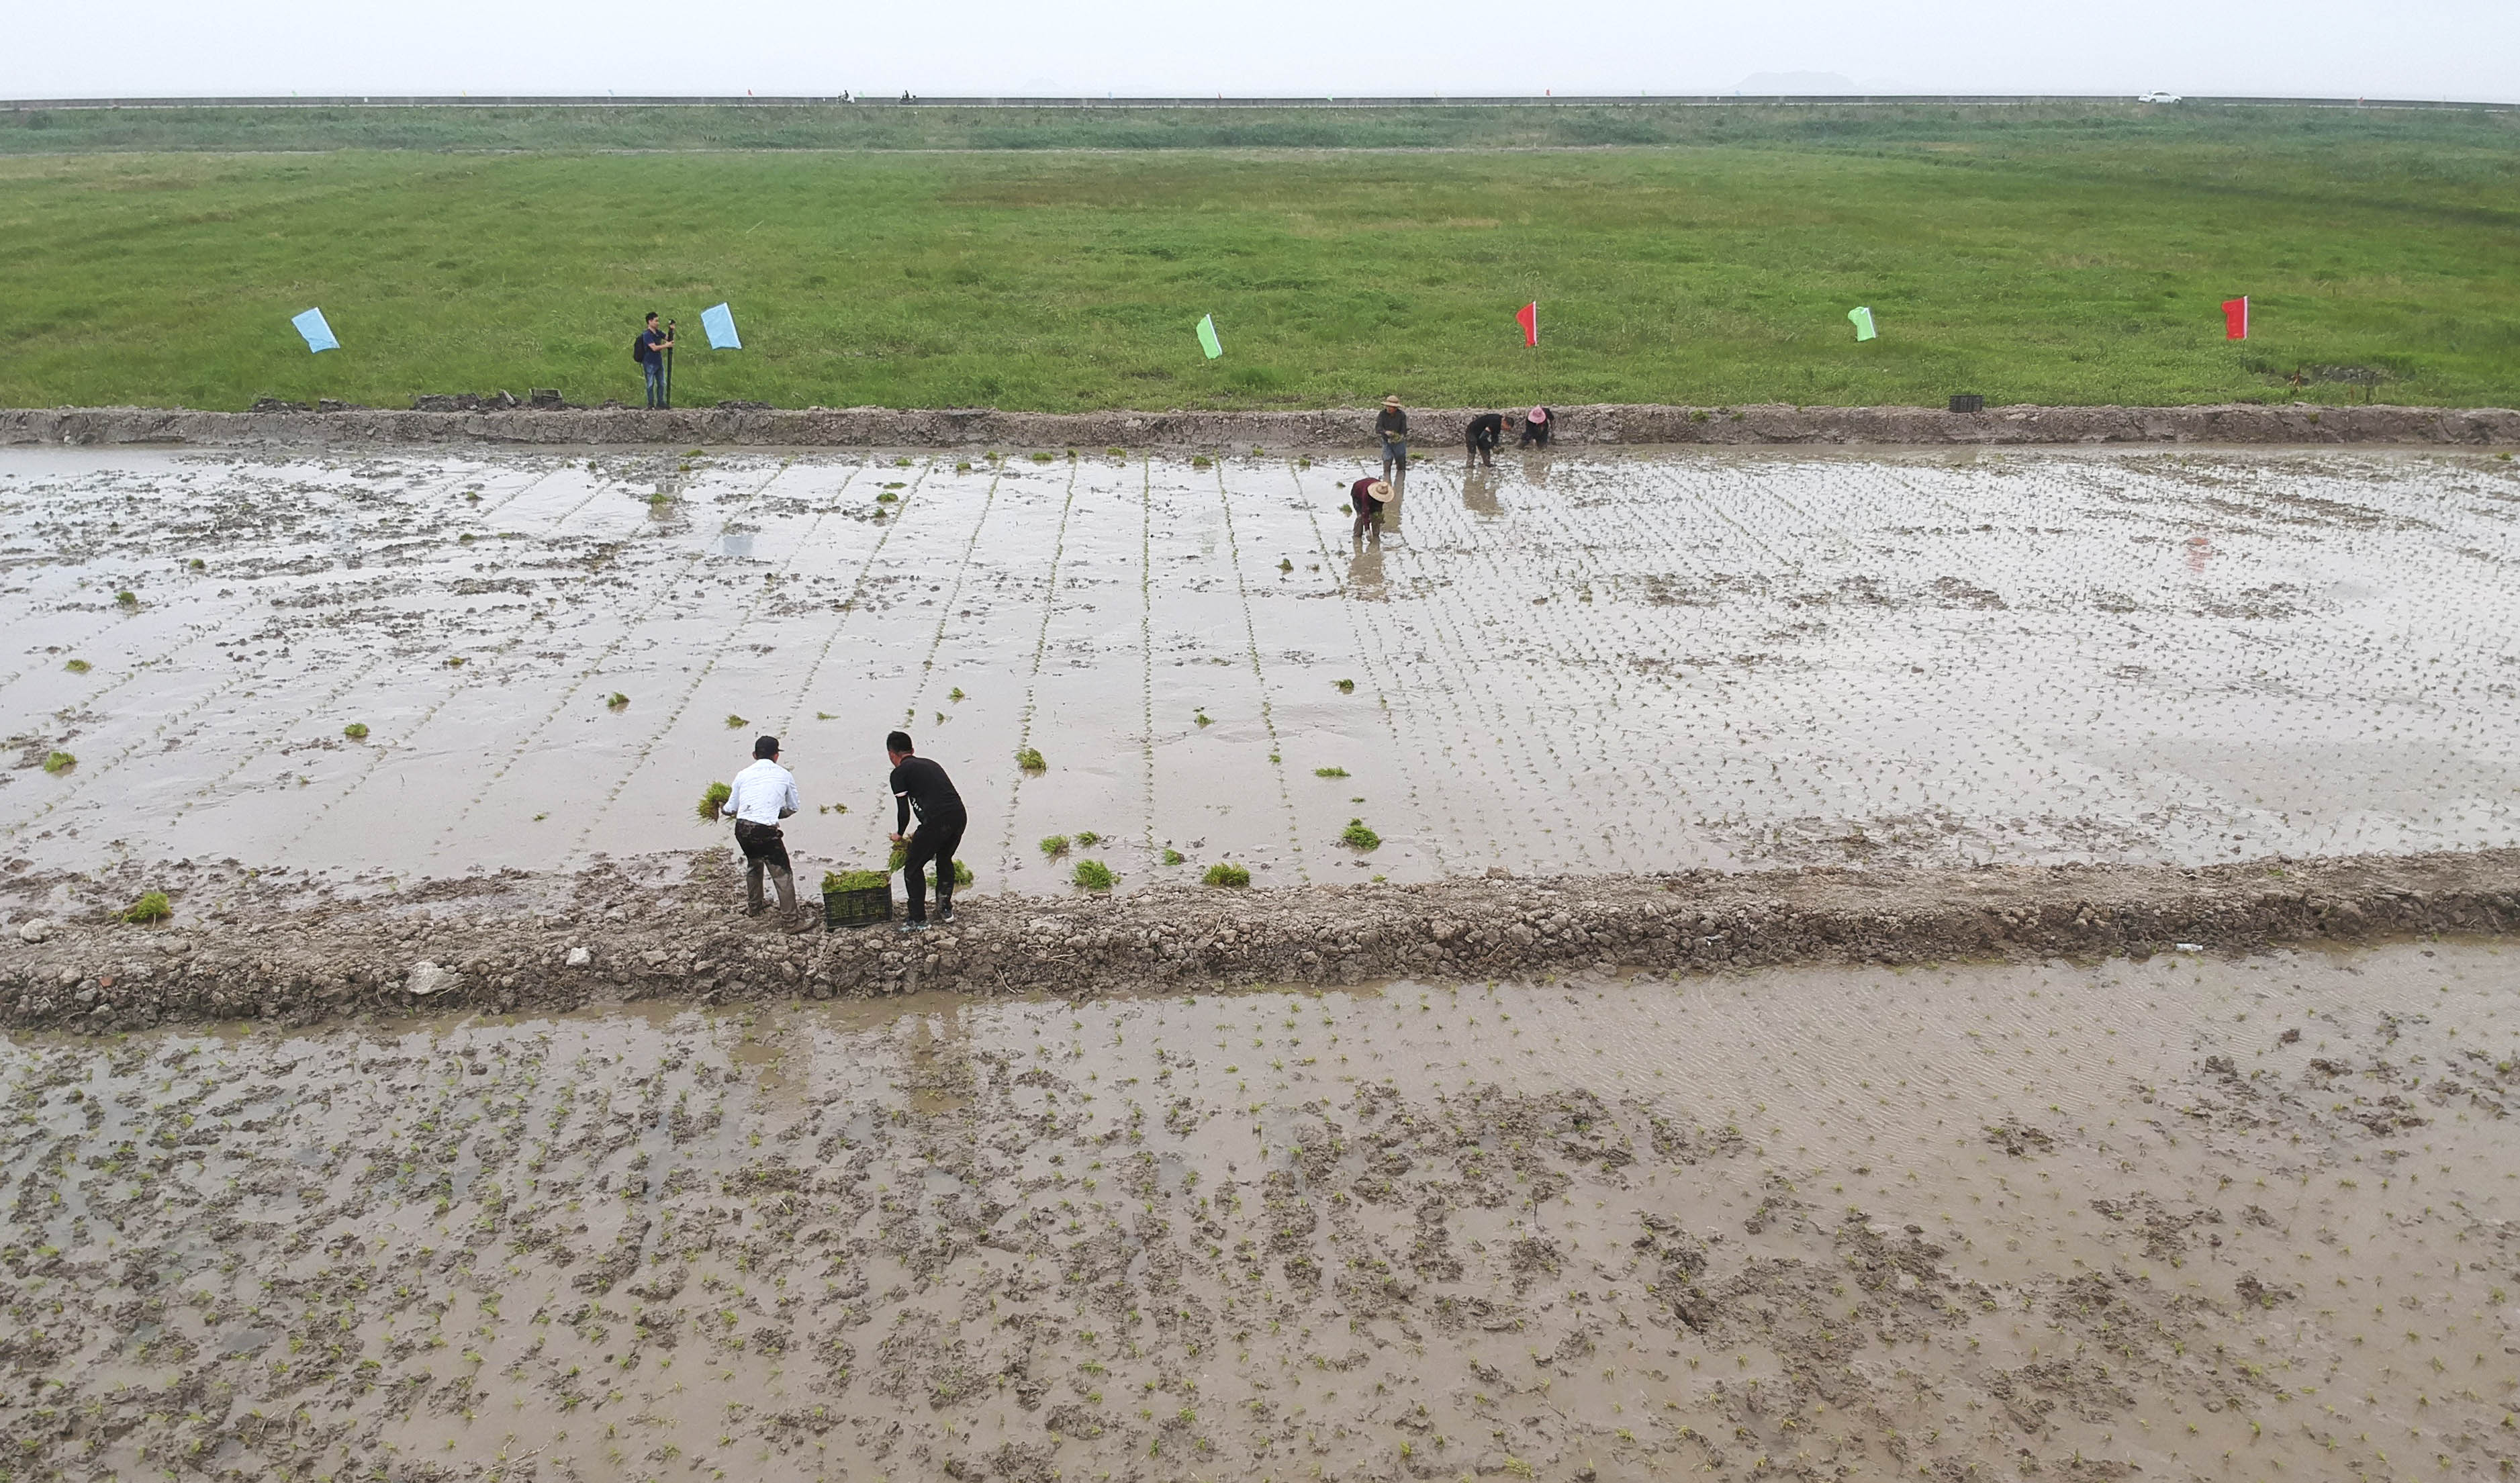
x=519, y=942
x=1436, y=429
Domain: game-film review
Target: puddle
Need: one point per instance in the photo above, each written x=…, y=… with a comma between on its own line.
x=2190, y=1216
x=1614, y=662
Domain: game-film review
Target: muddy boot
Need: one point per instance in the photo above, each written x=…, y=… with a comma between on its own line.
x=752, y=887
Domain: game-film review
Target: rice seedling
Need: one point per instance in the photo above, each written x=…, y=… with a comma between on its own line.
x=887, y=497
x=1094, y=876
x=78, y=666
x=1054, y=845
x=1330, y=772
x=1173, y=856
x=712, y=800
x=1030, y=759
x=955, y=694
x=198, y=565
x=1356, y=837
x=619, y=701
x=735, y=722
x=903, y=462
x=59, y=762
x=965, y=466
x=1202, y=460
x=854, y=881
x=1118, y=452
x=152, y=906
x=1345, y=686
x=1285, y=564
x=1203, y=718
x=1087, y=838
x=1042, y=457
x=128, y=598
x=356, y=731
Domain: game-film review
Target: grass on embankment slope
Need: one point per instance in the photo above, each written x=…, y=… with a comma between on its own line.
x=2058, y=265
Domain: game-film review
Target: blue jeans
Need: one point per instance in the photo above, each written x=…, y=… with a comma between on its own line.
x=1395, y=454
x=655, y=370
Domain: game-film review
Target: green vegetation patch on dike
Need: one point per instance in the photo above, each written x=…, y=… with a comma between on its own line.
x=2058, y=254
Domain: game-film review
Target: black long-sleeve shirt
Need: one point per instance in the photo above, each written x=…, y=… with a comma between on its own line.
x=1392, y=423
x=921, y=786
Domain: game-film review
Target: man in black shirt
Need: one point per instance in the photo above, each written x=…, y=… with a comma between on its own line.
x=919, y=786
x=1486, y=431
x=1391, y=425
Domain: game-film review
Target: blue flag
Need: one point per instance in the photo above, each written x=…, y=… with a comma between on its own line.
x=720, y=325
x=319, y=335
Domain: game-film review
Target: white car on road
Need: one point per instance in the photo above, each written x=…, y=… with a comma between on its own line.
x=2156, y=98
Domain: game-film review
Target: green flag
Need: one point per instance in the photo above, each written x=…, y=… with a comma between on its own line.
x=1207, y=336
x=1862, y=318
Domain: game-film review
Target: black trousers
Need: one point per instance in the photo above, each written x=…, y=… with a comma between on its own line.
x=937, y=840
x=762, y=843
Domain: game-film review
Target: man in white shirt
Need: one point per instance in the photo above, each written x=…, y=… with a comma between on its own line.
x=764, y=794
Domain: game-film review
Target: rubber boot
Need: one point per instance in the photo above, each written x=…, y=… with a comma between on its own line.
x=785, y=881
x=752, y=887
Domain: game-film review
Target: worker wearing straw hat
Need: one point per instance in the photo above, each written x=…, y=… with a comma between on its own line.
x=1366, y=497
x=1392, y=426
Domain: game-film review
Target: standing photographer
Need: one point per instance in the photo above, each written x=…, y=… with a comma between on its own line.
x=651, y=350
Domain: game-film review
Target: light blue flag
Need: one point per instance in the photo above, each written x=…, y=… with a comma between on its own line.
x=1207, y=341
x=720, y=325
x=319, y=335
x=1862, y=319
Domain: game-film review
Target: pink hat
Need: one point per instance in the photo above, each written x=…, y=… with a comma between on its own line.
x=1539, y=415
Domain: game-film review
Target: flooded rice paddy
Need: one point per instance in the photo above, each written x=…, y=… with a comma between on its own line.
x=2176, y=1219
x=1611, y=663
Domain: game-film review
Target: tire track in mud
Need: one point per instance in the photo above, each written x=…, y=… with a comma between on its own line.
x=594, y=666
x=857, y=588
x=1032, y=676
x=962, y=573
x=1401, y=752
x=761, y=592
x=1260, y=680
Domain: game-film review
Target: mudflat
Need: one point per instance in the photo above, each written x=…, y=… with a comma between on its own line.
x=2180, y=1218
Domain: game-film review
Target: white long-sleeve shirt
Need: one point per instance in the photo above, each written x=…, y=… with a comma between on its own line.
x=763, y=793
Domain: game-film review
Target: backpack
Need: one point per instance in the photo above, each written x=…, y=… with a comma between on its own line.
x=638, y=347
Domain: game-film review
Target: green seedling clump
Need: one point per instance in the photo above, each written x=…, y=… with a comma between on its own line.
x=1094, y=876
x=854, y=881
x=713, y=800
x=1330, y=772
x=616, y=702
x=1202, y=460
x=1226, y=875
x=1203, y=718
x=60, y=762
x=955, y=694
x=128, y=598
x=1124, y=453
x=735, y=722
x=1042, y=457
x=1087, y=838
x=152, y=906
x=1054, y=845
x=78, y=666
x=356, y=731
x=200, y=565
x=962, y=874
x=1030, y=759
x=1347, y=687
x=1174, y=856
x=1356, y=837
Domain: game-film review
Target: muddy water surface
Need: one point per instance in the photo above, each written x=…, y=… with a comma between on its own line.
x=1618, y=661
x=2206, y=1218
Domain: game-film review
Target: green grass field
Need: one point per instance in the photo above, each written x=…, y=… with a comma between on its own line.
x=1058, y=261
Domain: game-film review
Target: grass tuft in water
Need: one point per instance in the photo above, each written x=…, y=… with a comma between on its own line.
x=1095, y=875
x=1087, y=838
x=128, y=598
x=153, y=906
x=619, y=701
x=1356, y=837
x=1345, y=686
x=60, y=762
x=1226, y=874
x=356, y=731
x=78, y=666
x=713, y=799
x=1054, y=845
x=1174, y=856
x=1330, y=772
x=735, y=722
x=1030, y=759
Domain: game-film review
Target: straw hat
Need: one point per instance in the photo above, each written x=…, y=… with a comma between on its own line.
x=1378, y=491
x=1391, y=402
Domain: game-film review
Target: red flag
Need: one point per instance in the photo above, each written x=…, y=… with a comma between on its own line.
x=1528, y=316
x=2235, y=318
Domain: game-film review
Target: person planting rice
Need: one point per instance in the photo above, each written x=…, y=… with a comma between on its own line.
x=760, y=796
x=1535, y=428
x=1392, y=426
x=919, y=786
x=1366, y=497
x=1486, y=431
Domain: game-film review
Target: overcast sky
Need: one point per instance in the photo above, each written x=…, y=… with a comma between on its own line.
x=2464, y=49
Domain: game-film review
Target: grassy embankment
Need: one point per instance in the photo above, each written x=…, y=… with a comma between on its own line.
x=1058, y=260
